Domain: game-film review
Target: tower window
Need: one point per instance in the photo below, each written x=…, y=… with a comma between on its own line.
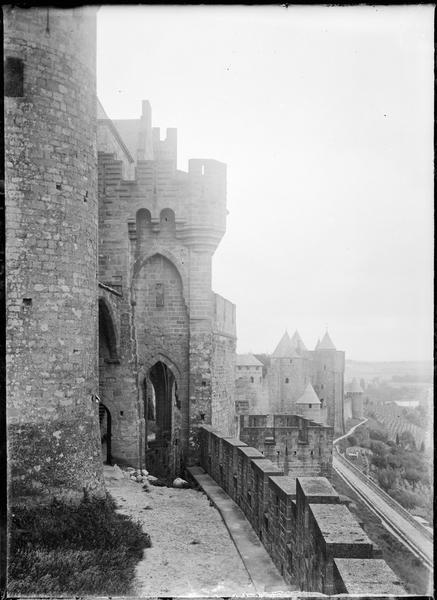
x=159, y=291
x=14, y=71
x=287, y=380
x=251, y=380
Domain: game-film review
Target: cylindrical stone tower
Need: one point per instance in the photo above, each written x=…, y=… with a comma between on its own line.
x=51, y=252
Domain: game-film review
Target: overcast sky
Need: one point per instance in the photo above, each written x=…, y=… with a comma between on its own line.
x=324, y=116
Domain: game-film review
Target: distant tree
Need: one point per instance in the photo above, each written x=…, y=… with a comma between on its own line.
x=363, y=383
x=352, y=440
x=406, y=439
x=386, y=478
x=407, y=499
x=378, y=434
x=379, y=460
x=412, y=476
x=394, y=461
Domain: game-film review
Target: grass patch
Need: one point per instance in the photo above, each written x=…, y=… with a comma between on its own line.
x=86, y=548
x=413, y=574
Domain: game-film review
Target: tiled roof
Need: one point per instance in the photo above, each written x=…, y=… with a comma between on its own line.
x=309, y=396
x=248, y=360
x=297, y=342
x=285, y=348
x=326, y=343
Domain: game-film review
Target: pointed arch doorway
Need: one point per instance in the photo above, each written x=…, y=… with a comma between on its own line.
x=160, y=402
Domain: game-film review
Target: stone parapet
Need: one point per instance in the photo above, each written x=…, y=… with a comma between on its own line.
x=311, y=537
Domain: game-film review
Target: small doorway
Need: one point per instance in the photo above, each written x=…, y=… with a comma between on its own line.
x=105, y=433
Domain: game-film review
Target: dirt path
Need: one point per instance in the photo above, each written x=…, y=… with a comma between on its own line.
x=192, y=554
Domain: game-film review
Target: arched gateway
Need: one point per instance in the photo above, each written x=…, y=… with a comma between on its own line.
x=162, y=418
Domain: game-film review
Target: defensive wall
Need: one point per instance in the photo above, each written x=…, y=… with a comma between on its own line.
x=224, y=341
x=290, y=441
x=313, y=539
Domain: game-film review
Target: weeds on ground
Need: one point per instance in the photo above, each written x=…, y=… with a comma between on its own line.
x=66, y=548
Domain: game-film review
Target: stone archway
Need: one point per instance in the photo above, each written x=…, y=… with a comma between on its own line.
x=161, y=412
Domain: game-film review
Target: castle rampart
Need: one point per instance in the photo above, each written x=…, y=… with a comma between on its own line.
x=311, y=536
x=290, y=441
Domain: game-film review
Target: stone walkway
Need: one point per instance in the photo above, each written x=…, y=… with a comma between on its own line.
x=192, y=554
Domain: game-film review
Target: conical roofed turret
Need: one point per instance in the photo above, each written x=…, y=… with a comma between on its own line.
x=285, y=348
x=309, y=396
x=297, y=342
x=326, y=343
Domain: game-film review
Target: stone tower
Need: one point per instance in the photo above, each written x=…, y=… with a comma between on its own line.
x=51, y=256
x=173, y=354
x=355, y=393
x=288, y=375
x=328, y=380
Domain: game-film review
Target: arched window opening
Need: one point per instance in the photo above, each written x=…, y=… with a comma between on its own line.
x=144, y=222
x=167, y=220
x=251, y=380
x=287, y=380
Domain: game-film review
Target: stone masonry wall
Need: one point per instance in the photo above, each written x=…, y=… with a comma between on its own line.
x=308, y=444
x=118, y=389
x=51, y=227
x=300, y=520
x=328, y=381
x=223, y=366
x=161, y=229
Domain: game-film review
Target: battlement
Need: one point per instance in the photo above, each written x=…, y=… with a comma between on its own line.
x=167, y=148
x=295, y=443
x=206, y=171
x=311, y=537
x=197, y=198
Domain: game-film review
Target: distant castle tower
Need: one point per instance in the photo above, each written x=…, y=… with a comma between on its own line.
x=51, y=237
x=295, y=373
x=354, y=393
x=308, y=405
x=328, y=380
x=288, y=374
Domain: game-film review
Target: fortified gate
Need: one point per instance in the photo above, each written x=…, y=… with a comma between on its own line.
x=170, y=364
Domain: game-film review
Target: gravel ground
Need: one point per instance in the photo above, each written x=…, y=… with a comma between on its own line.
x=192, y=554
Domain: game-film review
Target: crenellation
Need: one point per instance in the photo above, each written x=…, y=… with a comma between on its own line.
x=310, y=535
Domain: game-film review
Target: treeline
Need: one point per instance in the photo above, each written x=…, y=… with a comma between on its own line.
x=399, y=467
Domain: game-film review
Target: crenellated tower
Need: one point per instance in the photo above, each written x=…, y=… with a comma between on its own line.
x=158, y=232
